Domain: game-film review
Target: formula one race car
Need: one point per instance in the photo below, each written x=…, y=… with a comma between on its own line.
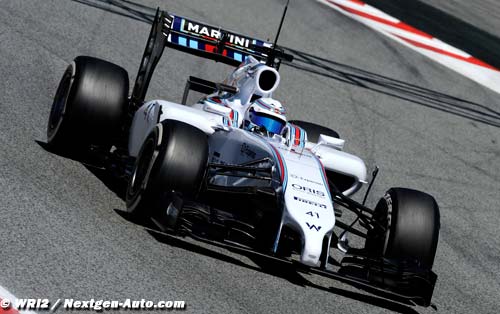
x=232, y=170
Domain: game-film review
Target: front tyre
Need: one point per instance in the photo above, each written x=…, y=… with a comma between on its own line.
x=412, y=220
x=173, y=159
x=89, y=105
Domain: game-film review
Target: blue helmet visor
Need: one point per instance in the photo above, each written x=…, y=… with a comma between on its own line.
x=272, y=124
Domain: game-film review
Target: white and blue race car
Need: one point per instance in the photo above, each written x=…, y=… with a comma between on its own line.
x=233, y=171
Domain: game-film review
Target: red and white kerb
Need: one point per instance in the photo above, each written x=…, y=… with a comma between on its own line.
x=9, y=310
x=424, y=43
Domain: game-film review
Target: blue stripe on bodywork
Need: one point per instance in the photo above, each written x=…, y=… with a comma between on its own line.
x=285, y=174
x=302, y=137
x=193, y=44
x=177, y=23
x=323, y=176
x=235, y=119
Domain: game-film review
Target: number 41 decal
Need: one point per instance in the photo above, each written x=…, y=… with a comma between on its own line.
x=313, y=214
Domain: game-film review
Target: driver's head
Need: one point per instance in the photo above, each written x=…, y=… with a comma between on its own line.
x=265, y=113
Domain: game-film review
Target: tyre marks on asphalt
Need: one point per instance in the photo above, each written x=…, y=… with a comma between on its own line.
x=422, y=42
x=393, y=87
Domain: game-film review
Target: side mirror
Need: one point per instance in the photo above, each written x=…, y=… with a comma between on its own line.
x=331, y=141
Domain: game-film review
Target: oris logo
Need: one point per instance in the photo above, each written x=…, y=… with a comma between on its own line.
x=307, y=190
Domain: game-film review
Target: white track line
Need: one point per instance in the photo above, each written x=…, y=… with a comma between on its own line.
x=417, y=40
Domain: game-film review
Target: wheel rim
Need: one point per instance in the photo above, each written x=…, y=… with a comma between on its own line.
x=142, y=169
x=59, y=105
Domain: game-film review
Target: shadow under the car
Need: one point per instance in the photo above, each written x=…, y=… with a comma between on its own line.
x=113, y=183
x=270, y=266
x=264, y=264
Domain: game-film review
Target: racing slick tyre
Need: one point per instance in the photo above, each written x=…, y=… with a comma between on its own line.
x=89, y=105
x=314, y=130
x=412, y=220
x=173, y=159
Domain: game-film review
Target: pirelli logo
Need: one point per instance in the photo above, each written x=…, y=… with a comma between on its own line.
x=303, y=200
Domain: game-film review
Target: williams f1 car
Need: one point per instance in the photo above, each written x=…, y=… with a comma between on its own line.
x=231, y=169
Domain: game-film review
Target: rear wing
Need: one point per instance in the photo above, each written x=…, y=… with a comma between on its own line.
x=215, y=43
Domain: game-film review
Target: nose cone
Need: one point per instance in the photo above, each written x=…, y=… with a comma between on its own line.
x=309, y=207
x=309, y=260
x=311, y=248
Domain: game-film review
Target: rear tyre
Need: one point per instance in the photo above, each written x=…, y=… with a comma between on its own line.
x=89, y=105
x=173, y=159
x=412, y=220
x=314, y=130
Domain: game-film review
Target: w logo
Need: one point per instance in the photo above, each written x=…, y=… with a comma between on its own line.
x=313, y=227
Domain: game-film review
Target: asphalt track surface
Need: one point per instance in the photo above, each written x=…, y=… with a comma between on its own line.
x=484, y=15
x=471, y=26
x=425, y=126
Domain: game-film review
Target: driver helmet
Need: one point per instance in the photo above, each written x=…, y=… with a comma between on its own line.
x=265, y=113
